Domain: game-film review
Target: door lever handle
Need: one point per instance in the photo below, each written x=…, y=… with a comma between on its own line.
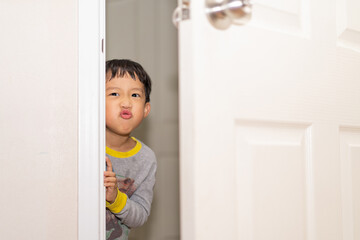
x=221, y=14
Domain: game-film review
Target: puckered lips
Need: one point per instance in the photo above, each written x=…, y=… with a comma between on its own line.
x=125, y=114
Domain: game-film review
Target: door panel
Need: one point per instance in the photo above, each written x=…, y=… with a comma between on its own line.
x=273, y=177
x=291, y=17
x=350, y=172
x=275, y=123
x=348, y=24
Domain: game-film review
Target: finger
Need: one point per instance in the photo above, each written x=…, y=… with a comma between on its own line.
x=109, y=174
x=110, y=179
x=109, y=164
x=111, y=185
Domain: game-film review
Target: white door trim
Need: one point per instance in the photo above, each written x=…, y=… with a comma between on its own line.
x=91, y=120
x=187, y=137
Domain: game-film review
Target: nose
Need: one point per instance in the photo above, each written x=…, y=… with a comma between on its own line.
x=125, y=102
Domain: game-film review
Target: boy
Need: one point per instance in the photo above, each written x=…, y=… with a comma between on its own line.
x=131, y=165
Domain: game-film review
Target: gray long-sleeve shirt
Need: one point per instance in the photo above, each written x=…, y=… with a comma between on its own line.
x=135, y=172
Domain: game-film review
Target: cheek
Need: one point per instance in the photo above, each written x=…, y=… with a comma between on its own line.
x=110, y=112
x=139, y=111
x=108, y=118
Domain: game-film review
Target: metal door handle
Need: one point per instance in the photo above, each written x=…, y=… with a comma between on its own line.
x=222, y=14
x=182, y=12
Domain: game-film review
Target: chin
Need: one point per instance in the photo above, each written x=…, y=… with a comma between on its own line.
x=124, y=133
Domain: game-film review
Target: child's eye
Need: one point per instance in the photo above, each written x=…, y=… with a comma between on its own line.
x=114, y=94
x=135, y=95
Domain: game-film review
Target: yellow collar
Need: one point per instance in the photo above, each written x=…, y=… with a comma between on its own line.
x=130, y=153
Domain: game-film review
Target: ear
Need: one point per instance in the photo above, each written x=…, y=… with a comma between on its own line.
x=147, y=109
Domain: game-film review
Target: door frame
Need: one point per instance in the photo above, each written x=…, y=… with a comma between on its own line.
x=91, y=119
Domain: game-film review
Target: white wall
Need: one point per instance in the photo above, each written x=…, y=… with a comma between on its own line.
x=142, y=30
x=38, y=119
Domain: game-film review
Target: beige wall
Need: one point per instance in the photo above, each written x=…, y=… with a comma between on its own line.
x=38, y=119
x=142, y=30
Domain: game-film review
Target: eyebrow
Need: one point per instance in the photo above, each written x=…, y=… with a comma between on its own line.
x=138, y=89
x=112, y=88
x=116, y=88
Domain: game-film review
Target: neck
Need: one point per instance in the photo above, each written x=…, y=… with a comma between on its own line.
x=118, y=142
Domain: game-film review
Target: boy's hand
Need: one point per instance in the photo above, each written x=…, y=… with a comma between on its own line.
x=110, y=182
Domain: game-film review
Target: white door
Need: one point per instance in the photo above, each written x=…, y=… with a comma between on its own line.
x=270, y=123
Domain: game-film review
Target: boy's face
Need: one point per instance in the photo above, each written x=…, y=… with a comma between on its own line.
x=125, y=104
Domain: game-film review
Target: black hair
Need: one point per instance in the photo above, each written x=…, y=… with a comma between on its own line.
x=121, y=67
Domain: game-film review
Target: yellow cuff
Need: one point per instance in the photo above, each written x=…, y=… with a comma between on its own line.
x=118, y=204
